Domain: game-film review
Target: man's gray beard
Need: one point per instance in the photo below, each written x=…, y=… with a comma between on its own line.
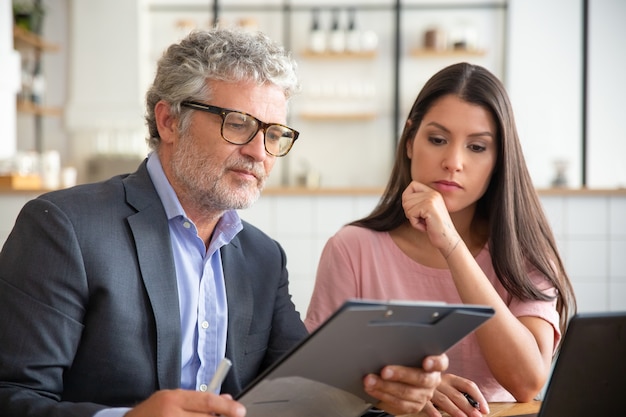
x=208, y=191
x=229, y=200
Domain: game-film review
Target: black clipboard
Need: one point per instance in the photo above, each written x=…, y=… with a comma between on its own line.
x=323, y=375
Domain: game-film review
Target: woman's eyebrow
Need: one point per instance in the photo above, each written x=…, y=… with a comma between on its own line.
x=438, y=126
x=442, y=127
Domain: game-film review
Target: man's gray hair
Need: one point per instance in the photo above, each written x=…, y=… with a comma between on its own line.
x=231, y=55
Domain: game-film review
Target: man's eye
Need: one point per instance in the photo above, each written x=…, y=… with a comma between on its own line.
x=237, y=126
x=239, y=123
x=272, y=136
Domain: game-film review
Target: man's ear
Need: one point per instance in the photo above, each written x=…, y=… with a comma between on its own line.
x=167, y=124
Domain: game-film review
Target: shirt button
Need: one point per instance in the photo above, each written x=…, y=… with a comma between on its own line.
x=204, y=324
x=186, y=225
x=203, y=387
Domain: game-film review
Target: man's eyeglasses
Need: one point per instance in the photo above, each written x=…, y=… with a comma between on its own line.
x=239, y=128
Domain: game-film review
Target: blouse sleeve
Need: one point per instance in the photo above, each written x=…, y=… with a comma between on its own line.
x=335, y=281
x=545, y=310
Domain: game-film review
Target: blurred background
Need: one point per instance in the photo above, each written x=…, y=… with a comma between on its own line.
x=80, y=90
x=74, y=74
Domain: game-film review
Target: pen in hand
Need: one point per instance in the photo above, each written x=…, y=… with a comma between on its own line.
x=472, y=401
x=220, y=375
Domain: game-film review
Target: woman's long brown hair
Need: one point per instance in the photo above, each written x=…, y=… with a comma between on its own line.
x=519, y=232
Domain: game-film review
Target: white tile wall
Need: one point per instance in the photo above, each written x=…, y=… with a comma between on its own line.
x=10, y=205
x=590, y=232
x=302, y=225
x=617, y=254
x=617, y=211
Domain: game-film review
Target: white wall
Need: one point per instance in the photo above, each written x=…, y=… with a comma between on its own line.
x=105, y=108
x=592, y=248
x=104, y=87
x=544, y=79
x=607, y=90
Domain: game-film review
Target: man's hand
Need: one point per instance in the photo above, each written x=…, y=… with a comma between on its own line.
x=403, y=390
x=180, y=403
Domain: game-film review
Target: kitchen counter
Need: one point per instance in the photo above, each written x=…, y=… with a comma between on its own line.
x=376, y=191
x=371, y=191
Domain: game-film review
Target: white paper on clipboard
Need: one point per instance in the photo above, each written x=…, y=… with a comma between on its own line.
x=323, y=375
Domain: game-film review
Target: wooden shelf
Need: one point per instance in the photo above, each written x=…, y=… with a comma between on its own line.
x=338, y=116
x=25, y=40
x=340, y=55
x=20, y=182
x=22, y=35
x=29, y=107
x=432, y=53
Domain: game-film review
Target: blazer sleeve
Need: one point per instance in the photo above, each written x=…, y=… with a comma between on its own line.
x=41, y=312
x=88, y=302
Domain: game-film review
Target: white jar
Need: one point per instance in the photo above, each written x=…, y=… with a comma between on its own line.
x=369, y=41
x=51, y=169
x=337, y=37
x=353, y=35
x=317, y=37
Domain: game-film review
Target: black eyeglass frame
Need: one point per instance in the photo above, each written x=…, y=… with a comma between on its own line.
x=223, y=112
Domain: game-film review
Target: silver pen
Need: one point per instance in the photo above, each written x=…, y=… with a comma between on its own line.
x=220, y=375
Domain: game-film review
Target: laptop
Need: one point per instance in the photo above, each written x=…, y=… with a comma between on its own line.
x=589, y=375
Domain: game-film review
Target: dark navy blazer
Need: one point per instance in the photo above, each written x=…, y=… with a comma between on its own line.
x=89, y=313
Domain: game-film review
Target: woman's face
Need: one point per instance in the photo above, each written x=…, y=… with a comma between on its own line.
x=454, y=151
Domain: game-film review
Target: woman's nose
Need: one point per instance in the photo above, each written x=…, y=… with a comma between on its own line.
x=453, y=159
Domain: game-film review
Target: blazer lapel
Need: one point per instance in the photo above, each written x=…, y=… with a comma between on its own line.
x=151, y=235
x=240, y=301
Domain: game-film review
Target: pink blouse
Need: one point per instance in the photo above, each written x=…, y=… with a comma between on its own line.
x=361, y=263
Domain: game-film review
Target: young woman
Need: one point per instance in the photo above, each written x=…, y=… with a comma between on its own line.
x=460, y=222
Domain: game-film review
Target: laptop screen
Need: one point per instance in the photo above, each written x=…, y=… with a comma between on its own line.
x=589, y=375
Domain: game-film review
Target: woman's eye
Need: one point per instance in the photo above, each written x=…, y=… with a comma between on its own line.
x=436, y=140
x=477, y=148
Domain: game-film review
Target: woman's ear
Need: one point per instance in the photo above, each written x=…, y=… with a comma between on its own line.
x=409, y=142
x=167, y=125
x=409, y=148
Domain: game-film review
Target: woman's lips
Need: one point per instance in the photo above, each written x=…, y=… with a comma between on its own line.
x=447, y=186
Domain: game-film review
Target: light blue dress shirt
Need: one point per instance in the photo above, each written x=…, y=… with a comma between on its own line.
x=201, y=290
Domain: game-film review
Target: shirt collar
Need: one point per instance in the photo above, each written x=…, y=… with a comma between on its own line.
x=164, y=189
